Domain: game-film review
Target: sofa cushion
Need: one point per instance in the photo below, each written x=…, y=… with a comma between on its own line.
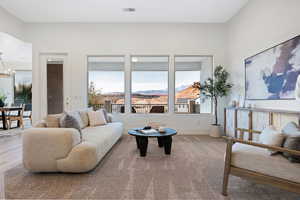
x=103, y=136
x=96, y=118
x=258, y=159
x=270, y=136
x=52, y=121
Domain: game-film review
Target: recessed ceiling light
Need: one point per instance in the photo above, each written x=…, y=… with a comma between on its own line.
x=129, y=9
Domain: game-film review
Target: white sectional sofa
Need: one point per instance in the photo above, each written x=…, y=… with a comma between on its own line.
x=60, y=149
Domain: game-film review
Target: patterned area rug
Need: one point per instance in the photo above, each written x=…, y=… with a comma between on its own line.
x=193, y=171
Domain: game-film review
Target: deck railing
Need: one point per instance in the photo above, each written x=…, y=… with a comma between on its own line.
x=147, y=108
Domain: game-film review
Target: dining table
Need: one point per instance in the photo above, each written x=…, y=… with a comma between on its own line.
x=4, y=111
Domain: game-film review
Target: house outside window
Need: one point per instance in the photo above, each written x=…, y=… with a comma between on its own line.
x=106, y=83
x=190, y=71
x=149, y=84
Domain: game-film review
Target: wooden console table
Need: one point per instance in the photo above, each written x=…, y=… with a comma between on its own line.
x=250, y=130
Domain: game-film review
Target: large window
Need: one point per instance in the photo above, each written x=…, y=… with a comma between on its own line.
x=106, y=83
x=191, y=71
x=149, y=84
x=23, y=87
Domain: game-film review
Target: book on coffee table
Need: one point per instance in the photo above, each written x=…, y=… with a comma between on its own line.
x=148, y=131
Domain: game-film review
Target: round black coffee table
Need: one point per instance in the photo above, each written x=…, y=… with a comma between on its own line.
x=164, y=139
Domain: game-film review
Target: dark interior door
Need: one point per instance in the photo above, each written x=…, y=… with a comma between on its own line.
x=55, y=88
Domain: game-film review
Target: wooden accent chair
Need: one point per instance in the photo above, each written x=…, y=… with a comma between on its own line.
x=16, y=117
x=248, y=159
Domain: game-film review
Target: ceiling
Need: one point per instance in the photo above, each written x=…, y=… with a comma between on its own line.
x=105, y=11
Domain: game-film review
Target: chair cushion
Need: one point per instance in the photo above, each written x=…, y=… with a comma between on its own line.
x=258, y=160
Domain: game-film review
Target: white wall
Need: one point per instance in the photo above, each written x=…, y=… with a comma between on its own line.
x=10, y=24
x=80, y=40
x=16, y=53
x=261, y=24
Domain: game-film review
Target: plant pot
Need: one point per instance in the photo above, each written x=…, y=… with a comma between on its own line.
x=1, y=103
x=215, y=131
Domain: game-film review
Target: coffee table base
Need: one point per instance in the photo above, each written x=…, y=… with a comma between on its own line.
x=142, y=144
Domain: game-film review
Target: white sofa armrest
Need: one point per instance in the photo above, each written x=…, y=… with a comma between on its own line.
x=42, y=147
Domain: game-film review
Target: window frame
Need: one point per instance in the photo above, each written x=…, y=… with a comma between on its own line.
x=124, y=75
x=168, y=82
x=174, y=75
x=14, y=82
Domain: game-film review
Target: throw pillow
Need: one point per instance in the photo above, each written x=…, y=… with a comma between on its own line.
x=69, y=121
x=76, y=115
x=52, y=121
x=291, y=129
x=292, y=143
x=96, y=118
x=109, y=118
x=105, y=114
x=270, y=136
x=84, y=116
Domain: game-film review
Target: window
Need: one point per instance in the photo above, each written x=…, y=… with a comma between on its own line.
x=149, y=84
x=106, y=83
x=190, y=71
x=23, y=87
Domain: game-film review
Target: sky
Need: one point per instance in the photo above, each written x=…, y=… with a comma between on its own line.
x=113, y=81
x=23, y=77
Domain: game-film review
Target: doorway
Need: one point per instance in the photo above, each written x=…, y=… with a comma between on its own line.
x=54, y=86
x=55, y=94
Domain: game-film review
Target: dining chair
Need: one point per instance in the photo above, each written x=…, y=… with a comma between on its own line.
x=1, y=119
x=19, y=117
x=28, y=112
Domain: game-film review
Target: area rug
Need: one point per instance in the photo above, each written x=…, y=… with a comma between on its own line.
x=194, y=170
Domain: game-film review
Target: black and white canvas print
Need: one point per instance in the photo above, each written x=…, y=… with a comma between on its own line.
x=272, y=74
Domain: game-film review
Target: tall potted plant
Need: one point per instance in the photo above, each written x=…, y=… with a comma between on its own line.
x=2, y=99
x=216, y=88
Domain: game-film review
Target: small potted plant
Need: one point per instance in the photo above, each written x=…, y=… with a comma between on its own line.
x=2, y=99
x=215, y=89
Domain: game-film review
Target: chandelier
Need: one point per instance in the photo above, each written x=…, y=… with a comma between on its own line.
x=4, y=71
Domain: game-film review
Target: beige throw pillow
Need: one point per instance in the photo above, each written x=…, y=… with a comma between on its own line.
x=84, y=116
x=52, y=121
x=96, y=118
x=270, y=136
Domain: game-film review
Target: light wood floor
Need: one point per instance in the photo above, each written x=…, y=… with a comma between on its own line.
x=10, y=156
x=10, y=152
